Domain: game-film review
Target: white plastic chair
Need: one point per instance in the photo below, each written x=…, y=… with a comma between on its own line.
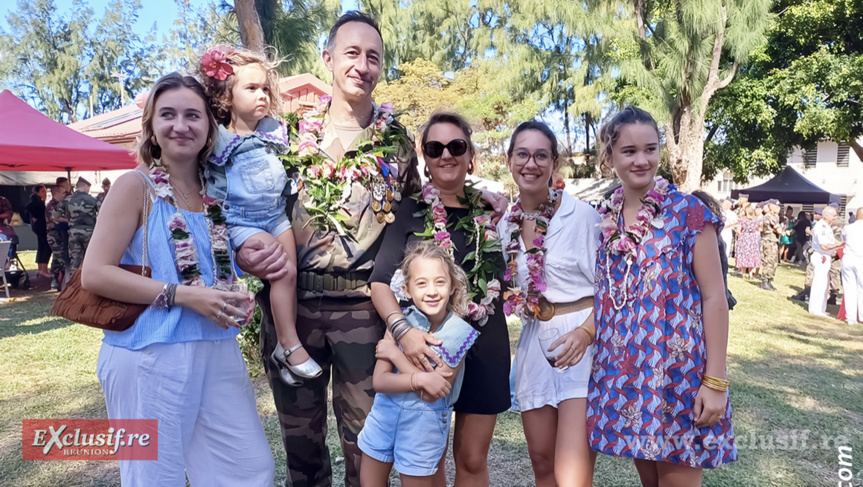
x=4, y=258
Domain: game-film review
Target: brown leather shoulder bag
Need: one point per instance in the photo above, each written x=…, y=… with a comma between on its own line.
x=81, y=306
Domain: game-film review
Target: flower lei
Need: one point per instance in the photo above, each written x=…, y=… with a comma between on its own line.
x=328, y=183
x=479, y=229
x=526, y=304
x=625, y=241
x=185, y=250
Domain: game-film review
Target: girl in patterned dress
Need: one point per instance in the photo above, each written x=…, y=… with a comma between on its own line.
x=658, y=391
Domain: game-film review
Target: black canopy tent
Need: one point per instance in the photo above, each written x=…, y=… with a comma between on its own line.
x=789, y=186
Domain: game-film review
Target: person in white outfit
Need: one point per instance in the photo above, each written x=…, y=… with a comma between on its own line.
x=824, y=246
x=852, y=269
x=730, y=219
x=550, y=242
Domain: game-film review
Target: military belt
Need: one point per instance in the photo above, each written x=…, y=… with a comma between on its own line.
x=318, y=282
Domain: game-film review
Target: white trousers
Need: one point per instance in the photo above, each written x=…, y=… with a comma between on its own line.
x=852, y=286
x=200, y=393
x=820, y=284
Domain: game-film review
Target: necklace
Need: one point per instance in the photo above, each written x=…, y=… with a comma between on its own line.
x=525, y=303
x=625, y=241
x=478, y=227
x=185, y=249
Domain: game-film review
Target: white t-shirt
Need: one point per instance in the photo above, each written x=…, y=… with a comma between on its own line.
x=822, y=234
x=730, y=220
x=852, y=235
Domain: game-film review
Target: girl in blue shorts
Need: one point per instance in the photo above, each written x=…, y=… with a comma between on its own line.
x=408, y=426
x=246, y=173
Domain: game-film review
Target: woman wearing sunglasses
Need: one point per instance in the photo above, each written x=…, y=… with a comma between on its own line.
x=454, y=215
x=551, y=240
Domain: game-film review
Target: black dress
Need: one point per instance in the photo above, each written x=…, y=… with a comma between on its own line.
x=485, y=389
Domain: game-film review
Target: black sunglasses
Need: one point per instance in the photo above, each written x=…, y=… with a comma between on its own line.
x=434, y=149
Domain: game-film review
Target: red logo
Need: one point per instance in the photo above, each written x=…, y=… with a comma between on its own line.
x=90, y=439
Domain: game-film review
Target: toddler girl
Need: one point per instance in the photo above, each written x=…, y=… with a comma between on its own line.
x=408, y=425
x=247, y=174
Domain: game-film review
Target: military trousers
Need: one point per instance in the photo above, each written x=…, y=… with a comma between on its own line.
x=59, y=242
x=79, y=240
x=769, y=259
x=341, y=335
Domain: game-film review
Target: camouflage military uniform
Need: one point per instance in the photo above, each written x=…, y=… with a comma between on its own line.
x=836, y=265
x=80, y=210
x=337, y=324
x=58, y=239
x=769, y=247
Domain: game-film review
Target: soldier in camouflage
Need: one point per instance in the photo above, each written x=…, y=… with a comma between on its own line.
x=58, y=235
x=835, y=268
x=336, y=320
x=80, y=210
x=770, y=231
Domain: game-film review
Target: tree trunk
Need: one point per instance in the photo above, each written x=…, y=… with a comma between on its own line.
x=251, y=33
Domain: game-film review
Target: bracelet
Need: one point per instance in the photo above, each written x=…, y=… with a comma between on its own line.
x=172, y=294
x=401, y=331
x=591, y=334
x=413, y=388
x=715, y=383
x=163, y=299
x=392, y=326
x=387, y=319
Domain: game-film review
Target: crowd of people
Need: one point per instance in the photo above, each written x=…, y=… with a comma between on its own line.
x=62, y=223
x=759, y=238
x=395, y=289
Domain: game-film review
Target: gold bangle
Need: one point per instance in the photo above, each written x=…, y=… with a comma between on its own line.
x=413, y=389
x=589, y=333
x=714, y=383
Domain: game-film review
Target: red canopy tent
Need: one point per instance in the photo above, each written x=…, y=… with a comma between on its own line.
x=30, y=141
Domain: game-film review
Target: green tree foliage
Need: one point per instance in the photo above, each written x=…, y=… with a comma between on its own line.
x=805, y=84
x=675, y=55
x=424, y=89
x=63, y=62
x=195, y=29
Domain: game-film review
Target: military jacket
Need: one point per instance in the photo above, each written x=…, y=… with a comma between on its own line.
x=354, y=253
x=80, y=210
x=769, y=225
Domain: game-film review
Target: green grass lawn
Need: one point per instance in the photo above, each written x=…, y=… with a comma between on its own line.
x=791, y=374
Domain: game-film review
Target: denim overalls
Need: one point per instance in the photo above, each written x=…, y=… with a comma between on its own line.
x=409, y=432
x=246, y=173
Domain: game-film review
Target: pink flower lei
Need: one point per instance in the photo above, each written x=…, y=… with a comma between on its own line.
x=478, y=226
x=625, y=241
x=526, y=304
x=327, y=182
x=185, y=250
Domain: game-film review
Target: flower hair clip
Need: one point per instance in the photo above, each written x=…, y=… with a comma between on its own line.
x=215, y=62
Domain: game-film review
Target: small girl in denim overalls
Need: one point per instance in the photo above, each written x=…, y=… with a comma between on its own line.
x=247, y=174
x=408, y=425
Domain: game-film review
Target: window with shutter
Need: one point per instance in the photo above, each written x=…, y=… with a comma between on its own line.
x=842, y=155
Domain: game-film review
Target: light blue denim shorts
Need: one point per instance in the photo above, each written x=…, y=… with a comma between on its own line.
x=245, y=224
x=412, y=436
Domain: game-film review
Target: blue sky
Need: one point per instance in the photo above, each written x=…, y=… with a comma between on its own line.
x=161, y=12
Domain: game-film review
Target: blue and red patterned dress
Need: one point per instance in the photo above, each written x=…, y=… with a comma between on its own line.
x=650, y=355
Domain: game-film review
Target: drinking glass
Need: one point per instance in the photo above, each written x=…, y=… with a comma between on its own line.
x=546, y=337
x=246, y=305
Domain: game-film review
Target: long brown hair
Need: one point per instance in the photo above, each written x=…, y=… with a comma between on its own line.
x=147, y=150
x=458, y=301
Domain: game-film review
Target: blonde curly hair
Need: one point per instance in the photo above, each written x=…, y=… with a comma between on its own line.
x=219, y=92
x=459, y=300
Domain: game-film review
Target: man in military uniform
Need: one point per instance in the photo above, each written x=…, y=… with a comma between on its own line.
x=58, y=237
x=836, y=264
x=770, y=231
x=336, y=320
x=80, y=210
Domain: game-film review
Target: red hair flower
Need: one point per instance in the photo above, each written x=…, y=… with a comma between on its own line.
x=215, y=62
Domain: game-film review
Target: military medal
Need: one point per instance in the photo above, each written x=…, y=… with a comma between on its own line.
x=387, y=206
x=376, y=206
x=380, y=217
x=378, y=192
x=397, y=195
x=389, y=218
x=389, y=194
